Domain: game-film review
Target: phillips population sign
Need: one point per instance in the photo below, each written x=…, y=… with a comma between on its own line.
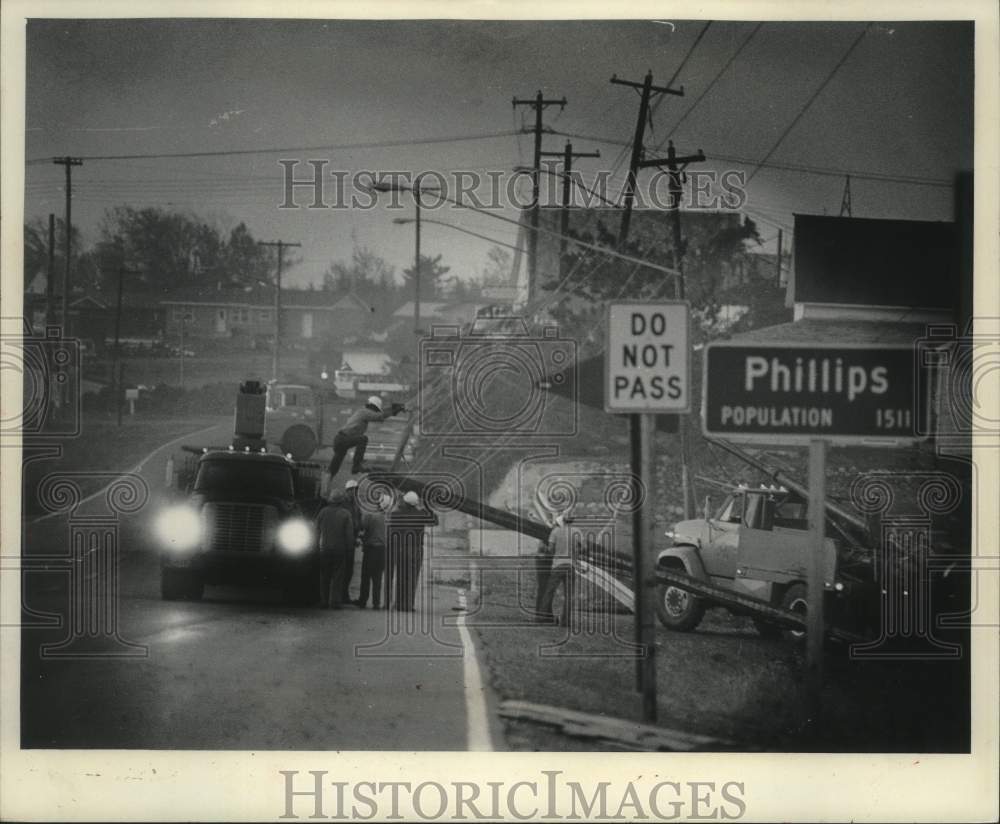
x=842, y=393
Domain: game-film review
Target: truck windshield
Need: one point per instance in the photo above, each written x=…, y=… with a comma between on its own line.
x=240, y=477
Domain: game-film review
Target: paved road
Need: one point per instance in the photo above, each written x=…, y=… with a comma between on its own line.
x=239, y=670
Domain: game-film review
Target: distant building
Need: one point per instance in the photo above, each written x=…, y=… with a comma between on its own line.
x=307, y=315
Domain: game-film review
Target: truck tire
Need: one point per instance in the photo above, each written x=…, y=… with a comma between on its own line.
x=299, y=441
x=303, y=593
x=794, y=600
x=678, y=609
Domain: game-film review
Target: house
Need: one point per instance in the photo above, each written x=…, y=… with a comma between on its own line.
x=307, y=315
x=434, y=312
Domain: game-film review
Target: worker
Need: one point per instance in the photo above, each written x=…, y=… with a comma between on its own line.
x=373, y=553
x=352, y=436
x=336, y=536
x=553, y=564
x=351, y=494
x=405, y=532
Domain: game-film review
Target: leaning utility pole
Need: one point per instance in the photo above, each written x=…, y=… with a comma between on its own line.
x=69, y=163
x=567, y=156
x=276, y=357
x=647, y=89
x=538, y=103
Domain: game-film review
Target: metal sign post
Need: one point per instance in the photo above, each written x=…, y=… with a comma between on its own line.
x=815, y=585
x=647, y=372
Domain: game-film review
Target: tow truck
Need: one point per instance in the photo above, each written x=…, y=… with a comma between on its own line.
x=756, y=544
x=247, y=516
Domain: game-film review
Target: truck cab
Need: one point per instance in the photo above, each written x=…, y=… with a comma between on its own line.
x=247, y=519
x=756, y=543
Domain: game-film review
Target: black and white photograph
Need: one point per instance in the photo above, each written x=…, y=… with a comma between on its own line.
x=437, y=418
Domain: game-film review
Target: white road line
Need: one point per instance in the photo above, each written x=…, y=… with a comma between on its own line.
x=476, y=715
x=134, y=470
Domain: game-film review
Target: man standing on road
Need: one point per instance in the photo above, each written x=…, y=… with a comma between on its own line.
x=336, y=536
x=351, y=494
x=353, y=436
x=373, y=558
x=406, y=548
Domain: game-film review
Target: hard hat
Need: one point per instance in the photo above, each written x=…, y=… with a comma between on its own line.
x=375, y=401
x=412, y=498
x=351, y=484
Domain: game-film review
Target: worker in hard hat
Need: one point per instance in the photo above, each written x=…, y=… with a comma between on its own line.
x=353, y=436
x=405, y=534
x=351, y=494
x=373, y=549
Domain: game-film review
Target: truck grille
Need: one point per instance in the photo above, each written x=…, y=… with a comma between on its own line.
x=239, y=527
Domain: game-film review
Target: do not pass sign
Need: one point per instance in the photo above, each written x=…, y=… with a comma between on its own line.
x=648, y=364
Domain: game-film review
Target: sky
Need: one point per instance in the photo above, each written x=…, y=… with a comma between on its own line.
x=898, y=105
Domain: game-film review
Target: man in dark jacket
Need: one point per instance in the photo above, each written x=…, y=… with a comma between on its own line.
x=336, y=536
x=351, y=494
x=352, y=435
x=405, y=533
x=373, y=559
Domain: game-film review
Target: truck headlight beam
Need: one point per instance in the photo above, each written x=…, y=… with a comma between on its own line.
x=295, y=536
x=179, y=528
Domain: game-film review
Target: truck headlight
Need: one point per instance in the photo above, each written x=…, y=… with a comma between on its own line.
x=179, y=527
x=295, y=536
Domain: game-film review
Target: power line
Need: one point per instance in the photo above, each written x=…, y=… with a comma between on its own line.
x=826, y=171
x=711, y=85
x=811, y=100
x=385, y=144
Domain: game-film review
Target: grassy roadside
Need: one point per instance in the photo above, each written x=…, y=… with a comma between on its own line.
x=103, y=446
x=722, y=680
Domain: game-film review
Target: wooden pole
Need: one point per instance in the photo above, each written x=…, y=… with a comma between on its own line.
x=646, y=572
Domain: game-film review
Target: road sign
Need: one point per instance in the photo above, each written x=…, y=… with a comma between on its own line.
x=647, y=358
x=501, y=293
x=843, y=393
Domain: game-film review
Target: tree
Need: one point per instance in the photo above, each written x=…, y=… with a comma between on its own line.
x=497, y=271
x=713, y=244
x=85, y=267
x=431, y=272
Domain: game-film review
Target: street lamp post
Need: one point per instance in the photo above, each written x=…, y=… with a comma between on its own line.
x=417, y=191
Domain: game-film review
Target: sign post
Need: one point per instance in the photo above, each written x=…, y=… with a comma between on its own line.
x=647, y=373
x=813, y=395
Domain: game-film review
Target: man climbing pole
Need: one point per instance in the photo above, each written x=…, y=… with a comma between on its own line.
x=352, y=435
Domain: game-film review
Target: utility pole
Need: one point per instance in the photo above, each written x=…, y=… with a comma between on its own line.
x=276, y=357
x=778, y=267
x=647, y=89
x=539, y=103
x=69, y=163
x=50, y=282
x=117, y=367
x=845, y=201
x=567, y=156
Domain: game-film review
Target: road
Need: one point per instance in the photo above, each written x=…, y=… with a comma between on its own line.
x=239, y=670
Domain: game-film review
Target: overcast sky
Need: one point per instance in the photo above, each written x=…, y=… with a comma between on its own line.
x=900, y=105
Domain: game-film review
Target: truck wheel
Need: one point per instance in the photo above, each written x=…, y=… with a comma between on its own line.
x=794, y=600
x=678, y=609
x=303, y=593
x=298, y=441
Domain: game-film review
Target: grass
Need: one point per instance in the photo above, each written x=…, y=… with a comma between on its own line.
x=721, y=680
x=104, y=447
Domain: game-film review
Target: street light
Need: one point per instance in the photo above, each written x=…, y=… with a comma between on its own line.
x=403, y=221
x=417, y=191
